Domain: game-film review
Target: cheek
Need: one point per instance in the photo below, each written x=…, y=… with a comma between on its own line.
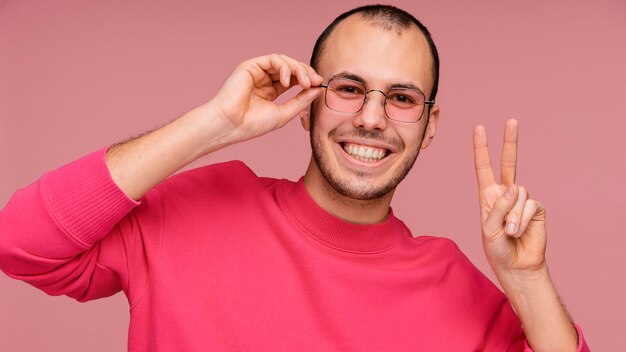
x=412, y=138
x=318, y=104
x=327, y=123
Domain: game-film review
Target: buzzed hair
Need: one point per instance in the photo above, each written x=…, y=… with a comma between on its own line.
x=389, y=18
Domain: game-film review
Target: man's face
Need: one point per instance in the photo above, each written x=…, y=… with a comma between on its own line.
x=381, y=58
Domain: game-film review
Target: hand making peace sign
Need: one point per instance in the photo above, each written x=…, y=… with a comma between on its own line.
x=513, y=225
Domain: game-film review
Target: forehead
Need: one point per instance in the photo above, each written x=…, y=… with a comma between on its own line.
x=380, y=55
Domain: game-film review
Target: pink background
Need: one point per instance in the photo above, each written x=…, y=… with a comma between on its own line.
x=79, y=75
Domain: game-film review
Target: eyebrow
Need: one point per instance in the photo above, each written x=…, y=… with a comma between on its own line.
x=355, y=77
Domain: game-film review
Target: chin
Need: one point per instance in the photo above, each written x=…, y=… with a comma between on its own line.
x=358, y=188
x=359, y=185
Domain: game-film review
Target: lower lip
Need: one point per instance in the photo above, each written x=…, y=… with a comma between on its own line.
x=362, y=164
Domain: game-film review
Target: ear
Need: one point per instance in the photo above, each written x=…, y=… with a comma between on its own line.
x=433, y=119
x=305, y=119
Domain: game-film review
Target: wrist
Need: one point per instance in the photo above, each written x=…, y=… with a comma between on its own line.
x=529, y=275
x=521, y=284
x=546, y=323
x=213, y=129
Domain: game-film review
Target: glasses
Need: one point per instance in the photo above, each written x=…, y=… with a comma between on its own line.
x=349, y=96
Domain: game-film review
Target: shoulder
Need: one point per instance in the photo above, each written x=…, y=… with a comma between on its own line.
x=445, y=255
x=230, y=175
x=456, y=271
x=467, y=295
x=437, y=245
x=230, y=171
x=231, y=181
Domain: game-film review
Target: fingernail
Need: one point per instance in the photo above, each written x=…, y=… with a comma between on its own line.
x=511, y=228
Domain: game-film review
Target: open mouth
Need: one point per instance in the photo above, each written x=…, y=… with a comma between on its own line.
x=364, y=153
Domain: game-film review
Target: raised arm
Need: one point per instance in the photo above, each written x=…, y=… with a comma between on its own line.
x=68, y=232
x=514, y=240
x=243, y=108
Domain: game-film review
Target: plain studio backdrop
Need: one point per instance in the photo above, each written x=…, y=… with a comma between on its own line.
x=77, y=75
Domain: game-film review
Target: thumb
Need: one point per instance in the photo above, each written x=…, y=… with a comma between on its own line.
x=494, y=223
x=295, y=105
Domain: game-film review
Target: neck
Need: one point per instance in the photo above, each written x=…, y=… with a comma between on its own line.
x=349, y=209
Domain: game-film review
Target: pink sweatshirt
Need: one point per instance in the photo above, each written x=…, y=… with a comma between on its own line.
x=218, y=259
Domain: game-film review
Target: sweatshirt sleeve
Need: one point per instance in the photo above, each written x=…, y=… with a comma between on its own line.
x=51, y=231
x=504, y=331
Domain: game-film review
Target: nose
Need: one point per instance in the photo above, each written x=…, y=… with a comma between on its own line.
x=372, y=115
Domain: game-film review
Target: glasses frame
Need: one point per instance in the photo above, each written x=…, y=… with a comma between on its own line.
x=426, y=102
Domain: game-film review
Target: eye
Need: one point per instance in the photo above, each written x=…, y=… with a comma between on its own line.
x=401, y=98
x=405, y=98
x=349, y=89
x=346, y=88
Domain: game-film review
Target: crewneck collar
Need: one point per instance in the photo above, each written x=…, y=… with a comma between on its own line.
x=334, y=232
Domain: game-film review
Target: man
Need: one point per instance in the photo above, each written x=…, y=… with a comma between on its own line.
x=220, y=259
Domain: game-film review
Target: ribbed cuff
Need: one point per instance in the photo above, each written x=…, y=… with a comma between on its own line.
x=84, y=199
x=582, y=344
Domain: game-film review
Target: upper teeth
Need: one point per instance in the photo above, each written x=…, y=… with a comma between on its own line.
x=364, y=152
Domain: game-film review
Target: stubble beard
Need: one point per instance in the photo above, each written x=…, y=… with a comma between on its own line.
x=359, y=186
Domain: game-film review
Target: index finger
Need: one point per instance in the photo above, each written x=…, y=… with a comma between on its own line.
x=508, y=162
x=482, y=163
x=287, y=67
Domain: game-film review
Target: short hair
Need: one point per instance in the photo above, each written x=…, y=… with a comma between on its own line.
x=389, y=18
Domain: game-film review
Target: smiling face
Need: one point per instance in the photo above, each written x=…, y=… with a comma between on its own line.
x=364, y=155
